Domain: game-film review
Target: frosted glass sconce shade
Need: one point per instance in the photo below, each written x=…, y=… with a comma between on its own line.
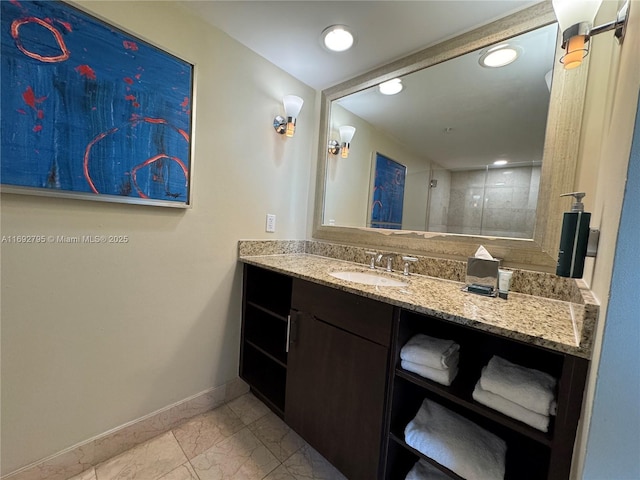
x=576, y=23
x=292, y=107
x=570, y=12
x=346, y=135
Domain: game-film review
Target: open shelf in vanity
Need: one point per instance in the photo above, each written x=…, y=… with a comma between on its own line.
x=531, y=453
x=263, y=349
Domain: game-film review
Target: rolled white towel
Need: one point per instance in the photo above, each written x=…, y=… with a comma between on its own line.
x=423, y=470
x=532, y=389
x=444, y=377
x=513, y=410
x=457, y=443
x=429, y=351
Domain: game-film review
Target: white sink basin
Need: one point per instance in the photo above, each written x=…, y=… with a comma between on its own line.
x=368, y=279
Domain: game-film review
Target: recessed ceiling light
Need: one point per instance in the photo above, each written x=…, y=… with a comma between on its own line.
x=337, y=38
x=500, y=55
x=501, y=162
x=391, y=87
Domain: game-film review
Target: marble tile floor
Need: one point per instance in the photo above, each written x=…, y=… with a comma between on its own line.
x=241, y=440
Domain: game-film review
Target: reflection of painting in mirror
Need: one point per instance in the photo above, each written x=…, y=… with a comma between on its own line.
x=449, y=124
x=387, y=196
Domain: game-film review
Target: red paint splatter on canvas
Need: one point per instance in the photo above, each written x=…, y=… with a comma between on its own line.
x=66, y=25
x=37, y=128
x=86, y=71
x=21, y=111
x=40, y=114
x=128, y=80
x=16, y=3
x=133, y=100
x=154, y=120
x=185, y=102
x=30, y=98
x=130, y=45
x=138, y=75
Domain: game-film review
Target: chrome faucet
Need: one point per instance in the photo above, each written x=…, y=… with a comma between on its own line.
x=372, y=259
x=389, y=257
x=408, y=260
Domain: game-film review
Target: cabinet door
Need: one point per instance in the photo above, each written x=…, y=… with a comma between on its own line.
x=335, y=394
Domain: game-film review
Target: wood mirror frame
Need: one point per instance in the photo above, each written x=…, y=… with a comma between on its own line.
x=559, y=164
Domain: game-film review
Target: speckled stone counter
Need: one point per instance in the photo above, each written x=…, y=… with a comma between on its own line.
x=564, y=326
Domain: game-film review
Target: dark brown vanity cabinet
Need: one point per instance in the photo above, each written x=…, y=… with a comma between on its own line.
x=531, y=453
x=337, y=376
x=327, y=362
x=319, y=357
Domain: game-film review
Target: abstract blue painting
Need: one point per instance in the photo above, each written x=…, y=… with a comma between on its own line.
x=91, y=111
x=388, y=193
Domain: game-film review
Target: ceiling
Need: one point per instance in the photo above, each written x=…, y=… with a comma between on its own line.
x=287, y=33
x=465, y=116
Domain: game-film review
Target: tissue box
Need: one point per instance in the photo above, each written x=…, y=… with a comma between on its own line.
x=482, y=273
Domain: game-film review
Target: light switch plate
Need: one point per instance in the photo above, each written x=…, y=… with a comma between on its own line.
x=271, y=223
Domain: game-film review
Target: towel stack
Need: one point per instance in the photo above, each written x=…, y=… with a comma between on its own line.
x=456, y=443
x=432, y=358
x=422, y=470
x=522, y=393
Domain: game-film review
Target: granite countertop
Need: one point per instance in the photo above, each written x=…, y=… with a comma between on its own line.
x=554, y=324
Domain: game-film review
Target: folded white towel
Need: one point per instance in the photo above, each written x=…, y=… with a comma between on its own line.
x=429, y=351
x=513, y=410
x=444, y=377
x=423, y=470
x=527, y=387
x=457, y=443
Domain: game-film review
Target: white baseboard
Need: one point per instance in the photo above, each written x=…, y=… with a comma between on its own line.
x=89, y=453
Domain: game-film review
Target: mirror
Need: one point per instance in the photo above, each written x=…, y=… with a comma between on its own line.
x=441, y=135
x=452, y=196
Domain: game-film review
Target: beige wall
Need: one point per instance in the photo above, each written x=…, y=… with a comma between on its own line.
x=610, y=110
x=94, y=336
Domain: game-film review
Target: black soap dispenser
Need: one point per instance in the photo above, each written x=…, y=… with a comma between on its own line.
x=573, y=242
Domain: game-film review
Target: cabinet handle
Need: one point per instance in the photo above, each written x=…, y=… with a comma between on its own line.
x=286, y=347
x=291, y=330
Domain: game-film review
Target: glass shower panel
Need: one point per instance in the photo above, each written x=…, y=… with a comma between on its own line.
x=491, y=201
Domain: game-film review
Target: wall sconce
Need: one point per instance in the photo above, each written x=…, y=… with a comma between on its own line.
x=576, y=22
x=292, y=107
x=346, y=134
